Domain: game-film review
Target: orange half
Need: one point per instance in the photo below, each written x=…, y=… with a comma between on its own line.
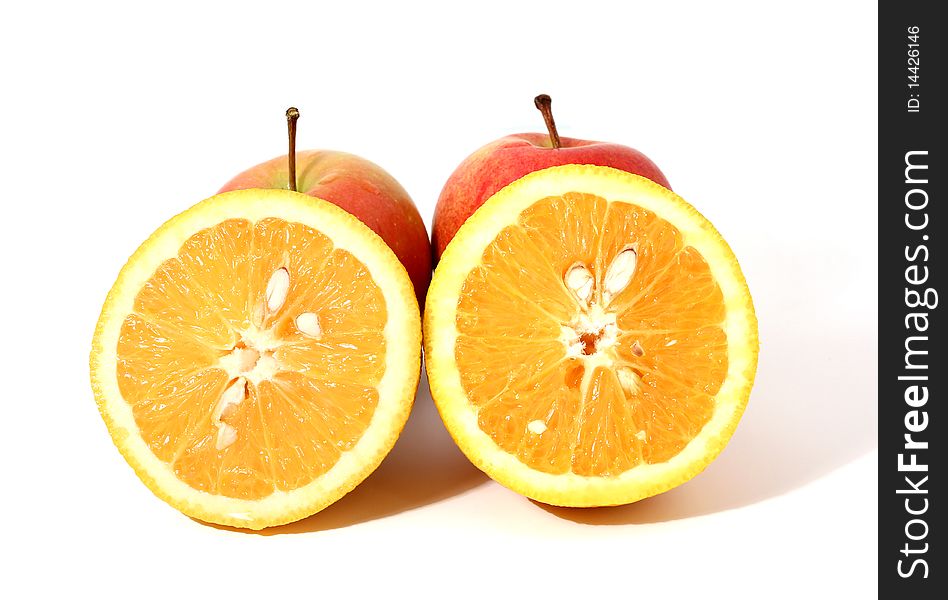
x=589, y=337
x=257, y=357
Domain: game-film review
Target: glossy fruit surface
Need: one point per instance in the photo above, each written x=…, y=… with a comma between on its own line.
x=361, y=188
x=503, y=161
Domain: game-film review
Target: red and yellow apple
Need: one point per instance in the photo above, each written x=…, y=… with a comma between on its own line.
x=503, y=161
x=358, y=186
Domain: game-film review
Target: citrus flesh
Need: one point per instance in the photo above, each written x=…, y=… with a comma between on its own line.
x=257, y=357
x=589, y=336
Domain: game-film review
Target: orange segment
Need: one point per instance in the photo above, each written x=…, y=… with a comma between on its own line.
x=519, y=291
x=580, y=218
x=225, y=270
x=581, y=332
x=170, y=299
x=316, y=419
x=684, y=282
x=605, y=442
x=248, y=348
x=222, y=249
x=154, y=358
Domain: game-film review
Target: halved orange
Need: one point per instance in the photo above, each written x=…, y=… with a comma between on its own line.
x=589, y=338
x=257, y=357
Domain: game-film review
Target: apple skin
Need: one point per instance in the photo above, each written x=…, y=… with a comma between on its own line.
x=364, y=190
x=503, y=161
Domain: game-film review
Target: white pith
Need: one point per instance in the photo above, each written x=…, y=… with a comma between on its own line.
x=596, y=321
x=254, y=358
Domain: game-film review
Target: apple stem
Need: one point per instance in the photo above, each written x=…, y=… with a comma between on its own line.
x=544, y=103
x=292, y=114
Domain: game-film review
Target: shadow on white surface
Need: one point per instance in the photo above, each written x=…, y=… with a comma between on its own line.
x=424, y=467
x=812, y=411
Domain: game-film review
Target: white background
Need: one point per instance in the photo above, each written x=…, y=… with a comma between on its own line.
x=114, y=118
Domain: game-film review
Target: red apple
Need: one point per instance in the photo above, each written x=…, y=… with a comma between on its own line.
x=503, y=161
x=358, y=186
